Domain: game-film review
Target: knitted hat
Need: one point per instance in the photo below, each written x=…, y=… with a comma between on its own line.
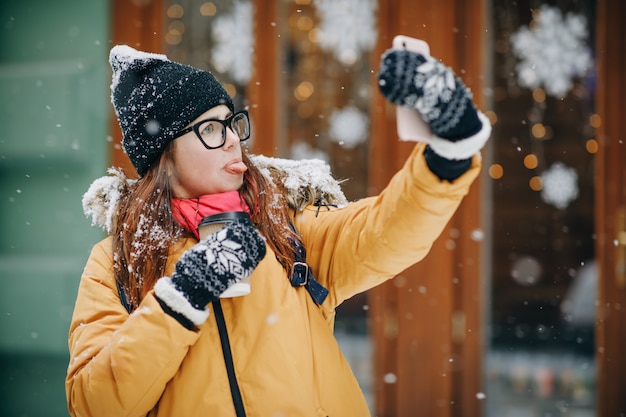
x=154, y=98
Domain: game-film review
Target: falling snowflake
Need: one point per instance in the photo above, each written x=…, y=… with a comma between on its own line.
x=234, y=47
x=348, y=27
x=560, y=185
x=348, y=127
x=553, y=51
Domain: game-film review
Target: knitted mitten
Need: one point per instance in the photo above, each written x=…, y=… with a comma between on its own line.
x=208, y=268
x=420, y=82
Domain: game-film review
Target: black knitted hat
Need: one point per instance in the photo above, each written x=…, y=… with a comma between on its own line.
x=154, y=98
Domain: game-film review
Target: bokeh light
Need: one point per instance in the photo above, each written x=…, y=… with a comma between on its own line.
x=496, y=171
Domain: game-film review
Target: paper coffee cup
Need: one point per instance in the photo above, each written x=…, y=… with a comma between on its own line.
x=214, y=223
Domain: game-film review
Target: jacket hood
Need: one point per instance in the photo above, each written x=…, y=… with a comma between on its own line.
x=305, y=182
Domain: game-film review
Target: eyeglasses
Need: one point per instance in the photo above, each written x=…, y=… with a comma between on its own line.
x=212, y=132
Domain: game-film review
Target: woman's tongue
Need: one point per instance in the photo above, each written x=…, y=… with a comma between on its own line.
x=236, y=167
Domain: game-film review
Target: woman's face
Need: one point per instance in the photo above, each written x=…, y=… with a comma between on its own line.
x=198, y=170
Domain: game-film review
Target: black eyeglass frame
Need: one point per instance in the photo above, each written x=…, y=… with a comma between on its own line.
x=227, y=123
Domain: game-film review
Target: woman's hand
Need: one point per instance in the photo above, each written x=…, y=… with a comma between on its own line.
x=426, y=85
x=208, y=268
x=416, y=81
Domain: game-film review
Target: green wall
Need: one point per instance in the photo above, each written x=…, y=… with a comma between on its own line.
x=54, y=109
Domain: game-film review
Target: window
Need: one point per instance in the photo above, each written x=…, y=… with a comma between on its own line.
x=540, y=359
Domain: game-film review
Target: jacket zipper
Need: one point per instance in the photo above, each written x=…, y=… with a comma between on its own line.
x=228, y=359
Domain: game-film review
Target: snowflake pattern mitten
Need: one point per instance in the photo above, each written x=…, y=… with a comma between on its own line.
x=420, y=82
x=208, y=268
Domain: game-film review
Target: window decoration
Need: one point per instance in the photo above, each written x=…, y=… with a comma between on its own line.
x=347, y=27
x=552, y=51
x=348, y=127
x=234, y=43
x=560, y=185
x=302, y=150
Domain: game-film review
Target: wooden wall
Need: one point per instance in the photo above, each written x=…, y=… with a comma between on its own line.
x=611, y=209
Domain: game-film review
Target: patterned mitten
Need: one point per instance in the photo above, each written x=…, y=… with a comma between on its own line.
x=208, y=268
x=420, y=82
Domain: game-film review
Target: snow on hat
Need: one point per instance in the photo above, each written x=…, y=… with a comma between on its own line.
x=154, y=98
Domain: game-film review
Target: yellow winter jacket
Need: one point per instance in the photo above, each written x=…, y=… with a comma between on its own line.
x=286, y=359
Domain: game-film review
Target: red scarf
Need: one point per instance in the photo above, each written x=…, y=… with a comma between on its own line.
x=190, y=212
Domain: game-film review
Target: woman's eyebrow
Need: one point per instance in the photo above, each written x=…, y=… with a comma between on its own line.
x=229, y=114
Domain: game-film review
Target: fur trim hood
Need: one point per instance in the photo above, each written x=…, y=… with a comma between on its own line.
x=306, y=182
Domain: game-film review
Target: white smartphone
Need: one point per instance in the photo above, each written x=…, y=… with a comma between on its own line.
x=411, y=126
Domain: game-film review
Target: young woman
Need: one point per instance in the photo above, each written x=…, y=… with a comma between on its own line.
x=150, y=334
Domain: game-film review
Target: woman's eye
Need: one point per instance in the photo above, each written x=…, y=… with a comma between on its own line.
x=207, y=129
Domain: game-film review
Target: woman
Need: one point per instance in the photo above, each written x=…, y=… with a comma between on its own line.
x=150, y=334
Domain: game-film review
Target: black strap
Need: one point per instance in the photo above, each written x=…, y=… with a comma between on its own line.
x=302, y=276
x=123, y=297
x=228, y=359
x=225, y=342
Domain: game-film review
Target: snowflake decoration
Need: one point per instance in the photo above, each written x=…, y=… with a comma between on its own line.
x=560, y=185
x=553, y=52
x=302, y=150
x=234, y=47
x=348, y=127
x=348, y=27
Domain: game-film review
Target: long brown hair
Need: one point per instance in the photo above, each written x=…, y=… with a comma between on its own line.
x=145, y=231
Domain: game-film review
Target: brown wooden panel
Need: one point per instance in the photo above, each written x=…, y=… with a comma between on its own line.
x=437, y=364
x=610, y=205
x=263, y=88
x=468, y=301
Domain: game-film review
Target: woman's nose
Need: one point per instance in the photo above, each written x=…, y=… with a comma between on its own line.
x=232, y=138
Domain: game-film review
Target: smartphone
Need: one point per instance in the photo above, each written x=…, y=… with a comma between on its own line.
x=411, y=126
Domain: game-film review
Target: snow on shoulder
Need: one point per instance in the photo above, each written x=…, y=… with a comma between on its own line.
x=101, y=199
x=306, y=181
